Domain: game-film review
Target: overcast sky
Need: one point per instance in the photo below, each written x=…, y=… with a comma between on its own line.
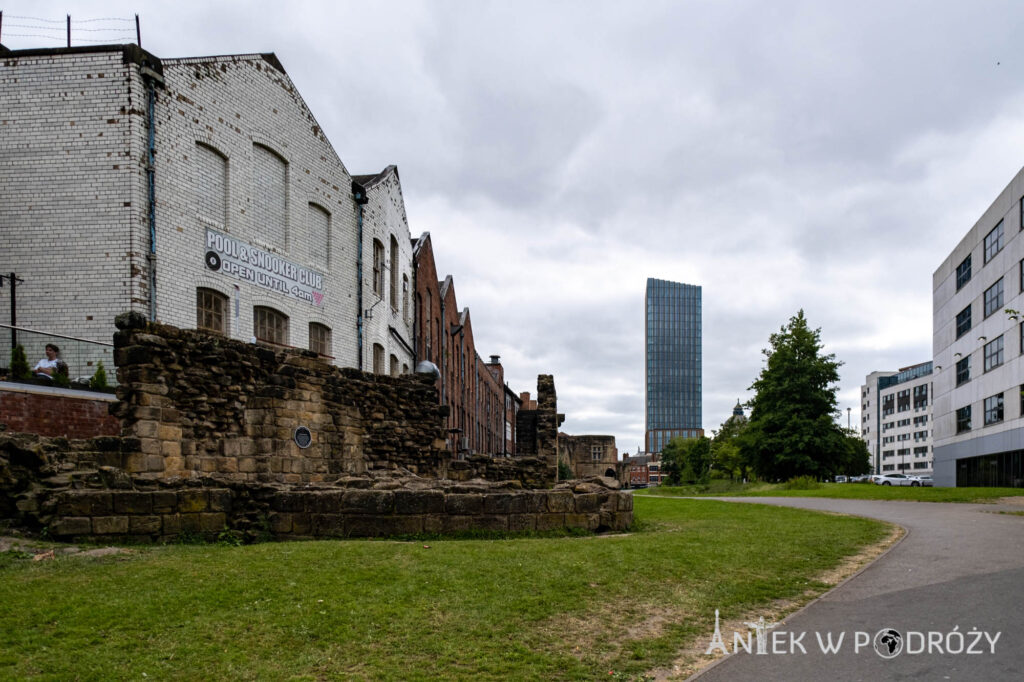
x=786, y=155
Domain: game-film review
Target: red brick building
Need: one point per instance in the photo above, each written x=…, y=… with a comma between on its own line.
x=474, y=391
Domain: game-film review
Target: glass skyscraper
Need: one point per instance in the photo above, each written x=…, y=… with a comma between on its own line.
x=673, y=354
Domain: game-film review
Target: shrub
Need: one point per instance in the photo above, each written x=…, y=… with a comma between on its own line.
x=565, y=473
x=19, y=364
x=801, y=483
x=98, y=382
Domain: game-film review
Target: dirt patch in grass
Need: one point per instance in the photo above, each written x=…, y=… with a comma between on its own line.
x=692, y=659
x=1016, y=501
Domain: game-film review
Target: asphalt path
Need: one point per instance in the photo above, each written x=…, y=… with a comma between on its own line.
x=958, y=571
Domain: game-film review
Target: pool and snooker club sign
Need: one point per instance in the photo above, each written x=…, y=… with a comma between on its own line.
x=262, y=268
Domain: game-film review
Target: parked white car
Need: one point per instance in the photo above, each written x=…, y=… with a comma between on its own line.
x=897, y=479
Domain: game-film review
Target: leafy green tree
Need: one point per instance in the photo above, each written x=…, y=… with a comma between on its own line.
x=726, y=455
x=792, y=431
x=19, y=364
x=686, y=460
x=98, y=381
x=856, y=458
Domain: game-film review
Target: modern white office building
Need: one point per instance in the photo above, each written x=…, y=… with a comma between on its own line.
x=978, y=339
x=896, y=420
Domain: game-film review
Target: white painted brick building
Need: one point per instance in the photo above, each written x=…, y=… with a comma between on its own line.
x=254, y=229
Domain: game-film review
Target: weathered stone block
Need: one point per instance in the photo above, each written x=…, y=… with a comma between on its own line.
x=419, y=502
x=132, y=502
x=464, y=504
x=168, y=432
x=190, y=523
x=302, y=524
x=212, y=522
x=505, y=503
x=171, y=524
x=150, y=446
x=327, y=501
x=110, y=525
x=144, y=525
x=154, y=463
x=329, y=525
x=68, y=526
x=191, y=501
x=220, y=500
x=145, y=429
x=246, y=465
x=164, y=501
x=368, y=501
x=550, y=521
x=280, y=523
x=86, y=503
x=560, y=501
x=590, y=502
x=170, y=448
x=383, y=526
x=625, y=502
x=134, y=463
x=522, y=522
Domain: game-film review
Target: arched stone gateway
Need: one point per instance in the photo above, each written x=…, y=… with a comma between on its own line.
x=610, y=473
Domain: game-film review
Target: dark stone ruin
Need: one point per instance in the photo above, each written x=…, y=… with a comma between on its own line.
x=217, y=434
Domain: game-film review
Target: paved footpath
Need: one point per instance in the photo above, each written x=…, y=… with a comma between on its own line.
x=959, y=569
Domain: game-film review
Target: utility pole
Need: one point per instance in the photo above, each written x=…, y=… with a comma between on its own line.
x=14, y=305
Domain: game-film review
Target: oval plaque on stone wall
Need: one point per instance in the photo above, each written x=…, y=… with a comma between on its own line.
x=303, y=438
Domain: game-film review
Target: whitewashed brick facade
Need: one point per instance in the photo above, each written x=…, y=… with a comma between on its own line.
x=390, y=322
x=237, y=153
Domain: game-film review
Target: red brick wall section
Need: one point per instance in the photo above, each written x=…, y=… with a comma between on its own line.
x=51, y=415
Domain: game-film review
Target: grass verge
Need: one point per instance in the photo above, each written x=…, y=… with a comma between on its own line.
x=852, y=491
x=533, y=608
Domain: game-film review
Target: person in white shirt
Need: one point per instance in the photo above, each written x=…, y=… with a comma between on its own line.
x=47, y=367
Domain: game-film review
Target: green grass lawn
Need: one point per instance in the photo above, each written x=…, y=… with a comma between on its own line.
x=852, y=491
x=533, y=608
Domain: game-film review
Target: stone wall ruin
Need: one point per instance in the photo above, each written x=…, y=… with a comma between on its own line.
x=207, y=444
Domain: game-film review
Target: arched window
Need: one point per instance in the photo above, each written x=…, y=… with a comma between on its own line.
x=320, y=339
x=270, y=325
x=378, y=358
x=378, y=268
x=211, y=311
x=320, y=235
x=405, y=299
x=270, y=195
x=394, y=273
x=394, y=366
x=211, y=183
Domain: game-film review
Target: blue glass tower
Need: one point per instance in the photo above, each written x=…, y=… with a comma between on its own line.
x=673, y=353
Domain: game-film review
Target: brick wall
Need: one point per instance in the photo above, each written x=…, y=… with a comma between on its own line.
x=73, y=190
x=25, y=410
x=383, y=219
x=75, y=142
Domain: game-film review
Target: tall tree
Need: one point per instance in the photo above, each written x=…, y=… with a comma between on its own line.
x=686, y=460
x=792, y=431
x=725, y=448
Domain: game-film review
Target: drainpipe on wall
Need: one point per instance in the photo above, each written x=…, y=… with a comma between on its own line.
x=151, y=79
x=359, y=194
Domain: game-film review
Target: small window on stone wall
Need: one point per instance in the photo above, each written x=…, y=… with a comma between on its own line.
x=270, y=325
x=320, y=339
x=378, y=358
x=211, y=311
